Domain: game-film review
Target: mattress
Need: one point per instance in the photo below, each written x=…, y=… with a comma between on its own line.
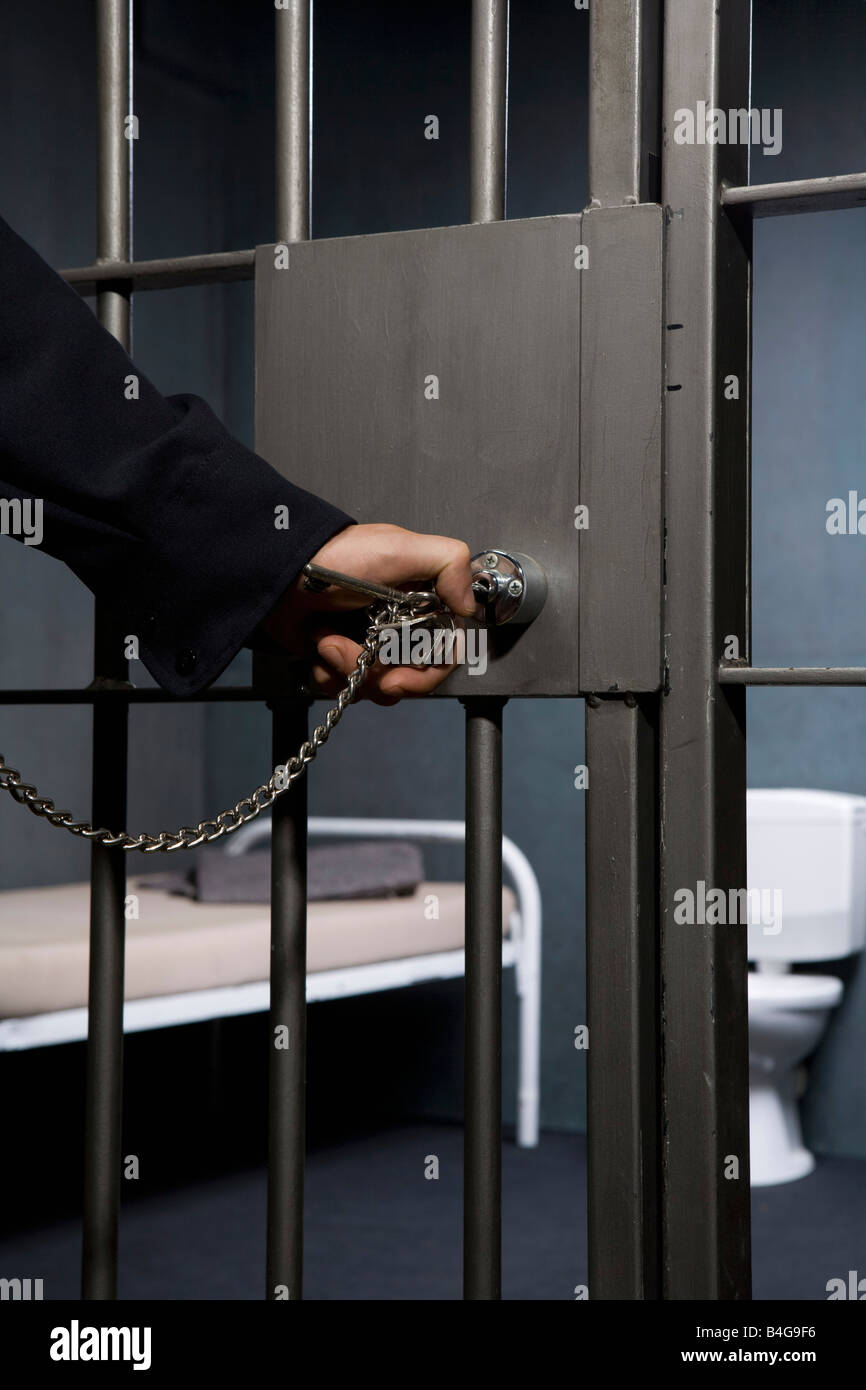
x=177, y=945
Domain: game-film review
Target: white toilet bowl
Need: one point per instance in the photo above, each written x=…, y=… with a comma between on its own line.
x=787, y=1018
x=809, y=847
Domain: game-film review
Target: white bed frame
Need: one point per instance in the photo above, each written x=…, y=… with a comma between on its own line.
x=522, y=949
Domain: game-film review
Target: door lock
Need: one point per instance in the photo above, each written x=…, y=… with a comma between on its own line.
x=508, y=587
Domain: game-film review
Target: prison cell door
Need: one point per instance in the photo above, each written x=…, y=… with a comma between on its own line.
x=552, y=386
x=499, y=381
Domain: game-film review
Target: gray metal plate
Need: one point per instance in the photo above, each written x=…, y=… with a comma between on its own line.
x=347, y=339
x=620, y=450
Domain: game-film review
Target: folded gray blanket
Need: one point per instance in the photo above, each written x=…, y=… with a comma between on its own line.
x=355, y=869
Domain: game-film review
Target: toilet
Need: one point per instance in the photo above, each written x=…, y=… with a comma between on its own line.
x=811, y=845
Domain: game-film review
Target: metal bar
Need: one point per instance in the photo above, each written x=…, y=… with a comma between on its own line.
x=287, y=1070
x=169, y=273
x=104, y=1058
x=704, y=1020
x=148, y=695
x=832, y=194
x=621, y=735
x=294, y=109
x=792, y=675
x=621, y=339
x=482, y=1153
x=104, y=1064
x=624, y=134
x=218, y=694
x=622, y=993
x=114, y=157
x=488, y=110
x=288, y=1017
x=482, y=1098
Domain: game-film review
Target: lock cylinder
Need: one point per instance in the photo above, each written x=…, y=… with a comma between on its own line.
x=509, y=587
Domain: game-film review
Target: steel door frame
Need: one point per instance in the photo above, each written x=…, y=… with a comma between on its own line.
x=668, y=1083
x=668, y=1096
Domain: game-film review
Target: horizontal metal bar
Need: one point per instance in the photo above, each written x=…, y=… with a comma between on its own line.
x=218, y=693
x=221, y=694
x=173, y=272
x=792, y=675
x=832, y=194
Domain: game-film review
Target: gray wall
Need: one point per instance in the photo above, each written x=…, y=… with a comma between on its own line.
x=809, y=432
x=204, y=98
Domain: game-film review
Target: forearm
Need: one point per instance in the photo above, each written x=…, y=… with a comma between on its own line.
x=148, y=499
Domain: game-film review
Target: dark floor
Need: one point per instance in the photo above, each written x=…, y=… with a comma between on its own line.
x=376, y=1228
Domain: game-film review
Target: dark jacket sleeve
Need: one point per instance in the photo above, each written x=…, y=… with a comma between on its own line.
x=150, y=501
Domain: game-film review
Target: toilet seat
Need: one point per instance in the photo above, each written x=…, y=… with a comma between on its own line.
x=793, y=991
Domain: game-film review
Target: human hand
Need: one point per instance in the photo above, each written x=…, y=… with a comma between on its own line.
x=305, y=622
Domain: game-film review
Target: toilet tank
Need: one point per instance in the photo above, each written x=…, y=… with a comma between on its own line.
x=811, y=845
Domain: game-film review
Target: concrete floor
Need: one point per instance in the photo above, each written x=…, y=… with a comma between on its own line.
x=376, y=1228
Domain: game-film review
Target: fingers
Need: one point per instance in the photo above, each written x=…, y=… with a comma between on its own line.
x=402, y=558
x=396, y=557
x=447, y=561
x=384, y=684
x=327, y=684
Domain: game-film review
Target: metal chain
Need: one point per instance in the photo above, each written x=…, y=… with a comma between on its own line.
x=282, y=778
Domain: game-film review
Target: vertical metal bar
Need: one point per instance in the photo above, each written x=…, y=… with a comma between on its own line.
x=621, y=957
x=104, y=1063
x=482, y=1103
x=288, y=1008
x=621, y=740
x=482, y=1153
x=288, y=1017
x=104, y=1066
x=703, y=777
x=488, y=110
x=294, y=108
x=624, y=145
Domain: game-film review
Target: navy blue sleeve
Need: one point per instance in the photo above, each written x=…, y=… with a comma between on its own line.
x=150, y=501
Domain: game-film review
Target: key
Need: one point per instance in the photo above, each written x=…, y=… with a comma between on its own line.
x=440, y=626
x=317, y=579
